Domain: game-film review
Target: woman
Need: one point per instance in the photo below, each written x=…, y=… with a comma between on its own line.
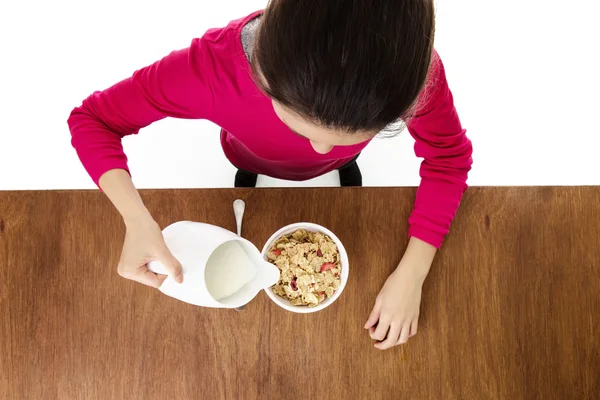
x=298, y=90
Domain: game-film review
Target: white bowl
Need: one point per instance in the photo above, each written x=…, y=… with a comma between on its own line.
x=286, y=230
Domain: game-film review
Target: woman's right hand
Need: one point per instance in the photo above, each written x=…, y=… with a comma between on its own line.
x=144, y=242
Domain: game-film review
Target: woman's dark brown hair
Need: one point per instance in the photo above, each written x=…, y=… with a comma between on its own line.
x=352, y=65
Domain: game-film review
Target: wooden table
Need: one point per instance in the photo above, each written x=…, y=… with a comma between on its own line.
x=510, y=309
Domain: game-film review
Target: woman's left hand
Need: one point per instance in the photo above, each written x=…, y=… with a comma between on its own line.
x=395, y=316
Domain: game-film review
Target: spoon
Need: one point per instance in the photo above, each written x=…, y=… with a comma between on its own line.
x=238, y=210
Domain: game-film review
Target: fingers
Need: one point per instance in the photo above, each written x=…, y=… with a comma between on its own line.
x=374, y=317
x=404, y=334
x=142, y=275
x=413, y=327
x=392, y=338
x=381, y=331
x=172, y=265
x=150, y=278
x=398, y=333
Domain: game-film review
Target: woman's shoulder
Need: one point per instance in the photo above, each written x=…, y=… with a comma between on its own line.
x=221, y=49
x=435, y=91
x=232, y=29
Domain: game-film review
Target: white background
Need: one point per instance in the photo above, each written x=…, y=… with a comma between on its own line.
x=525, y=76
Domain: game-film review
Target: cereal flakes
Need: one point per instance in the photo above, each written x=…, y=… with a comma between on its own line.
x=310, y=267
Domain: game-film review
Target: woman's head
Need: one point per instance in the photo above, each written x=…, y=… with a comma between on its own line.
x=340, y=71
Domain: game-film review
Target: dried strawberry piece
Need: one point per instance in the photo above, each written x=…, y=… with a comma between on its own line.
x=327, y=266
x=293, y=284
x=336, y=274
x=277, y=252
x=319, y=253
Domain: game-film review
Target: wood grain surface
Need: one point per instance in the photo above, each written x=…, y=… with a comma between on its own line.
x=510, y=309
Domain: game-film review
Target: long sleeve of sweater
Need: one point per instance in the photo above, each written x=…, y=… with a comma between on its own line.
x=446, y=151
x=177, y=86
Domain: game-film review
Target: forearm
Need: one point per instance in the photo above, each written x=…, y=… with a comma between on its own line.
x=418, y=257
x=119, y=188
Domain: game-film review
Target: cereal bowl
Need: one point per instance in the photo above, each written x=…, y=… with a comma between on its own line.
x=343, y=275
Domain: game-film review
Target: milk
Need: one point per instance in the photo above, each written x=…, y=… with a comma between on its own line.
x=220, y=269
x=228, y=269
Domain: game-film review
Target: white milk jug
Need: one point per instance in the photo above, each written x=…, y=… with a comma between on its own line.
x=220, y=268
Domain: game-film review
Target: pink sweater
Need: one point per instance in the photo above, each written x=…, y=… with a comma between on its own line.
x=211, y=80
